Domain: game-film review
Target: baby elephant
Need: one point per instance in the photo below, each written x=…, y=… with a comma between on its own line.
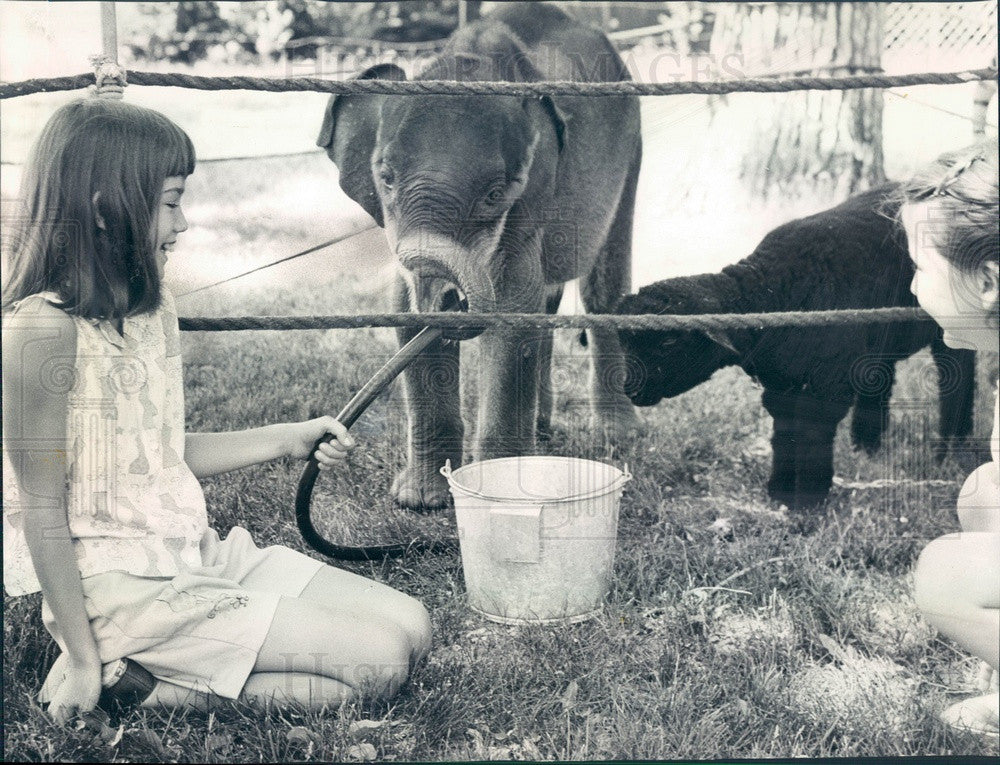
x=851, y=256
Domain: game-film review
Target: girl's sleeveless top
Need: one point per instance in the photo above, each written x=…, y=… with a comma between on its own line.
x=133, y=503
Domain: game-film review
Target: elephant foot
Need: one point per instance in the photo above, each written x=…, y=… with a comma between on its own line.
x=543, y=431
x=420, y=491
x=618, y=424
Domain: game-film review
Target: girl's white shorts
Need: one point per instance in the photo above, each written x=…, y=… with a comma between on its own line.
x=201, y=629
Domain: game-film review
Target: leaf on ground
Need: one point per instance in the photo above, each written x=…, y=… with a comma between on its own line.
x=111, y=736
x=837, y=651
x=721, y=527
x=362, y=752
x=359, y=728
x=301, y=736
x=531, y=750
x=479, y=746
x=215, y=742
x=569, y=697
x=150, y=739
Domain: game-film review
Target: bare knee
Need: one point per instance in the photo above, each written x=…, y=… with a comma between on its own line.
x=934, y=578
x=387, y=663
x=414, y=620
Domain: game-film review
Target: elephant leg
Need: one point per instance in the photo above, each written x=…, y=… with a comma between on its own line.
x=802, y=443
x=956, y=368
x=545, y=392
x=608, y=281
x=434, y=423
x=508, y=393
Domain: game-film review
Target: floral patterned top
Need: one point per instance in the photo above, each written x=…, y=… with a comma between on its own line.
x=133, y=503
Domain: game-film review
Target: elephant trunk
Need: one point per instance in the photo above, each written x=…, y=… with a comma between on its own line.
x=445, y=276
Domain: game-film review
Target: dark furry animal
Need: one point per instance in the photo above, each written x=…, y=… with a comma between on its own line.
x=850, y=256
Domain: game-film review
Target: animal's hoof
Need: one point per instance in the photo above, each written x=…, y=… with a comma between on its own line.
x=420, y=491
x=803, y=500
x=867, y=438
x=968, y=453
x=868, y=447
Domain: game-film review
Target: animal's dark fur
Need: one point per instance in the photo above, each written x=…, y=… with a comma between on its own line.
x=851, y=256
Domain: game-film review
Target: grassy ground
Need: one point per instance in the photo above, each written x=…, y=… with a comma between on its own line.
x=731, y=629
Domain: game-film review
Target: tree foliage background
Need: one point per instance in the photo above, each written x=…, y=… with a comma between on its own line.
x=246, y=32
x=195, y=30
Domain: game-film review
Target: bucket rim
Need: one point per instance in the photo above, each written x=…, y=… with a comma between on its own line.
x=617, y=483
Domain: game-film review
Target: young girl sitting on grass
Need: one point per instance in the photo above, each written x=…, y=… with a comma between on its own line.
x=950, y=213
x=102, y=508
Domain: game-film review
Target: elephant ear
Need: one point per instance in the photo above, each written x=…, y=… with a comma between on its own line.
x=558, y=118
x=554, y=114
x=348, y=135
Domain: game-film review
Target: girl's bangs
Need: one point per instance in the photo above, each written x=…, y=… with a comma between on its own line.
x=180, y=156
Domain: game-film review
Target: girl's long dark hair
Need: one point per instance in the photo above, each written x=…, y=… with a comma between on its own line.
x=122, y=154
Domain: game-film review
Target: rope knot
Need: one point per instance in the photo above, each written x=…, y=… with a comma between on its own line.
x=109, y=78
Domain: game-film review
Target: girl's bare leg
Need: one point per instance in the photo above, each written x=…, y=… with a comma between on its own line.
x=170, y=696
x=368, y=654
x=316, y=654
x=264, y=688
x=957, y=583
x=957, y=587
x=343, y=591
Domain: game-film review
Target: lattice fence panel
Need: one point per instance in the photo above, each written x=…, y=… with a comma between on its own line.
x=944, y=35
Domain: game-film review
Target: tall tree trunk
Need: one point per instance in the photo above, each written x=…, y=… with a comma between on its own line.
x=826, y=142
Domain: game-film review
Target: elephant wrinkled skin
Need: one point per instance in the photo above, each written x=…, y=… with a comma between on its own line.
x=493, y=203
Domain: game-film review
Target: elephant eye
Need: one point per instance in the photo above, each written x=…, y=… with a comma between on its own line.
x=496, y=194
x=387, y=175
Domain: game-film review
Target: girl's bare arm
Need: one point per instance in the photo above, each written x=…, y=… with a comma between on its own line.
x=212, y=453
x=36, y=344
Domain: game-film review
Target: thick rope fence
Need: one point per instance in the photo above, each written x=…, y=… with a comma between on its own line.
x=655, y=322
x=548, y=88
x=109, y=76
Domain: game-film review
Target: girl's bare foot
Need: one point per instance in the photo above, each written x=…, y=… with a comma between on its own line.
x=979, y=714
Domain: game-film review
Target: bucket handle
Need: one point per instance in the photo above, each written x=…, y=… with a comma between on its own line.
x=619, y=483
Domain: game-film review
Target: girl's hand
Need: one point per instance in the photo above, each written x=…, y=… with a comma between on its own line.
x=302, y=436
x=78, y=692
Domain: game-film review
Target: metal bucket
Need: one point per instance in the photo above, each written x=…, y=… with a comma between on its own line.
x=537, y=536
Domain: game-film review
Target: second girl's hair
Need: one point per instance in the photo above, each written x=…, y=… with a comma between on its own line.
x=963, y=185
x=121, y=153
